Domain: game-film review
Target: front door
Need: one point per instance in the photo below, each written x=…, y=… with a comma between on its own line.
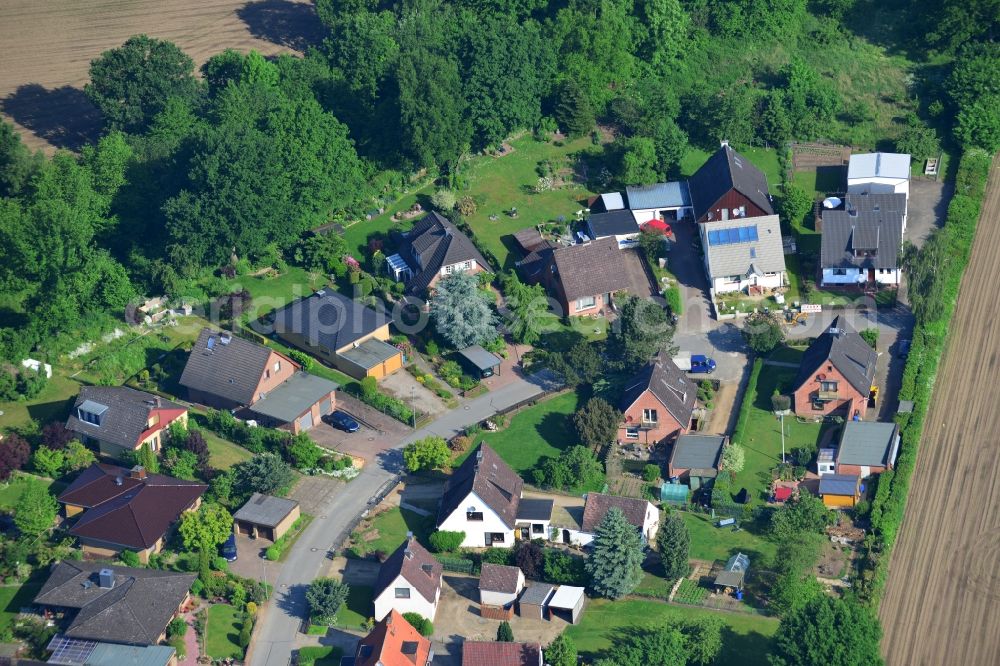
x=871, y=274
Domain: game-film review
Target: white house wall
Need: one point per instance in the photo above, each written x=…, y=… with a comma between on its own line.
x=386, y=601
x=770, y=281
x=859, y=276
x=576, y=537
x=475, y=530
x=878, y=186
x=643, y=215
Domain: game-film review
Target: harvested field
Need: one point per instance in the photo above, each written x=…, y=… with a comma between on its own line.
x=46, y=49
x=940, y=606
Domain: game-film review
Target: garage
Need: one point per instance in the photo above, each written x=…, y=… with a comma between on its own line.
x=266, y=517
x=296, y=405
x=567, y=603
x=534, y=601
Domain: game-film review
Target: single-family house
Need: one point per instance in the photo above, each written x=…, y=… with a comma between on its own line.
x=840, y=490
x=344, y=333
x=482, y=498
x=114, y=604
x=657, y=403
x=499, y=588
x=266, y=516
x=583, y=277
x=729, y=186
x=233, y=373
x=836, y=372
x=392, y=642
x=696, y=459
x=409, y=581
x=862, y=240
x=745, y=253
x=867, y=447
x=640, y=513
x=120, y=509
x=666, y=202
x=432, y=249
x=879, y=173
x=119, y=420
x=618, y=224
x=494, y=653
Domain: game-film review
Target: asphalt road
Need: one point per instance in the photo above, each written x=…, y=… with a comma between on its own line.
x=274, y=638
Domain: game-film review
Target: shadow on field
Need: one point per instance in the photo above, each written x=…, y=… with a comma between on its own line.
x=62, y=116
x=291, y=24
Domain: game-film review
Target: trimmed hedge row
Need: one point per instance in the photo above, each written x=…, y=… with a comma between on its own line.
x=747, y=405
x=949, y=248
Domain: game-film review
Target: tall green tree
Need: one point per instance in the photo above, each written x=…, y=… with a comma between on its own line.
x=667, y=26
x=527, y=308
x=659, y=645
x=264, y=473
x=504, y=633
x=132, y=83
x=427, y=453
x=828, y=631
x=36, y=510
x=325, y=597
x=641, y=331
x=615, y=566
x=596, y=423
x=573, y=109
x=17, y=163
x=674, y=542
x=461, y=313
x=762, y=332
x=205, y=528
x=561, y=651
x=639, y=161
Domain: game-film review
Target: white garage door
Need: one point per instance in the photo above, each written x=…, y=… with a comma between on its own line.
x=306, y=422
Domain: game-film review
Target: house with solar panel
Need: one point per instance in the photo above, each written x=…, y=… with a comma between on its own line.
x=728, y=186
x=743, y=254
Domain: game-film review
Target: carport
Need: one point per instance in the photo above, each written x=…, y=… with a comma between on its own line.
x=266, y=516
x=568, y=602
x=479, y=362
x=534, y=601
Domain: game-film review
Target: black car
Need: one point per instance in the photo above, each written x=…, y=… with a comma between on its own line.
x=339, y=419
x=228, y=549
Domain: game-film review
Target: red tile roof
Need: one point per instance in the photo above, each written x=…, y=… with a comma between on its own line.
x=393, y=642
x=491, y=653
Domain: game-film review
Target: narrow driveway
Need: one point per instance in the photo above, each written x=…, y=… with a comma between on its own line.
x=278, y=627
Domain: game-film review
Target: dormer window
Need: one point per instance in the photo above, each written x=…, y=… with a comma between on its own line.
x=91, y=412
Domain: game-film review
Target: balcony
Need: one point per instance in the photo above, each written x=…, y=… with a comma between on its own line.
x=827, y=396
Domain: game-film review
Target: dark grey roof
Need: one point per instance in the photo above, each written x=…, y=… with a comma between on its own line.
x=697, y=451
x=668, y=383
x=329, y=320
x=838, y=484
x=537, y=594
x=727, y=170
x=534, y=264
x=867, y=443
x=869, y=224
x=534, y=509
x=432, y=243
x=126, y=415
x=760, y=253
x=530, y=239
x=229, y=367
x=734, y=572
x=613, y=223
x=482, y=359
x=293, y=397
x=841, y=346
x=135, y=611
x=589, y=269
x=499, y=578
x=659, y=195
x=490, y=478
x=416, y=565
x=370, y=353
x=266, y=510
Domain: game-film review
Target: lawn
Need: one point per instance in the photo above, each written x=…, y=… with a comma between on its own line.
x=52, y=404
x=746, y=639
x=709, y=542
x=357, y=609
x=15, y=597
x=223, y=632
x=388, y=530
x=223, y=454
x=540, y=431
x=271, y=293
x=10, y=492
x=765, y=159
x=323, y=655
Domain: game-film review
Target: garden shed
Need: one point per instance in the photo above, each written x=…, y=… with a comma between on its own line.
x=732, y=575
x=478, y=362
x=535, y=601
x=568, y=602
x=266, y=516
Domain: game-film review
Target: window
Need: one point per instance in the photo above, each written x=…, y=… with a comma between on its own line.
x=585, y=303
x=631, y=433
x=154, y=443
x=840, y=271
x=537, y=528
x=267, y=373
x=649, y=416
x=828, y=387
x=474, y=515
x=89, y=417
x=402, y=593
x=277, y=366
x=496, y=537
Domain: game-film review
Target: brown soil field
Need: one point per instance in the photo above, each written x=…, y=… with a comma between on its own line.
x=46, y=47
x=941, y=603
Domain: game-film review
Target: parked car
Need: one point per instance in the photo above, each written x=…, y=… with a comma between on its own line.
x=339, y=419
x=228, y=549
x=904, y=348
x=701, y=364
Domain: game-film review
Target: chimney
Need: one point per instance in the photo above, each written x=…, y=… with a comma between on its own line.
x=158, y=401
x=408, y=554
x=106, y=579
x=137, y=472
x=119, y=480
x=724, y=143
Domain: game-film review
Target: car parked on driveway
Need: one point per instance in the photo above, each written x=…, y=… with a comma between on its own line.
x=228, y=549
x=343, y=421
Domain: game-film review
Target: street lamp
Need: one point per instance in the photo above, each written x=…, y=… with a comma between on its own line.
x=782, y=417
x=263, y=568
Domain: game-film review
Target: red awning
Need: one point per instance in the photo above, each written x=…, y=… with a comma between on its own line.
x=657, y=225
x=782, y=493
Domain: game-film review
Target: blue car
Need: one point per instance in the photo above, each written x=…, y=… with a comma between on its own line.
x=701, y=364
x=339, y=419
x=228, y=549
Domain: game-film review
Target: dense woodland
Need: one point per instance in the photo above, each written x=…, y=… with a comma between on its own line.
x=199, y=170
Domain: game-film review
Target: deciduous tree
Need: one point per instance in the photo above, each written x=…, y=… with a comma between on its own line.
x=36, y=510
x=763, y=332
x=206, y=528
x=639, y=333
x=828, y=631
x=428, y=453
x=325, y=597
x=561, y=652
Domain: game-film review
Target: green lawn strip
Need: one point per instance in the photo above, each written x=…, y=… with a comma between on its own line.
x=52, y=404
x=786, y=355
x=746, y=639
x=223, y=454
x=15, y=597
x=356, y=609
x=389, y=530
x=321, y=655
x=540, y=431
x=223, y=632
x=10, y=492
x=712, y=543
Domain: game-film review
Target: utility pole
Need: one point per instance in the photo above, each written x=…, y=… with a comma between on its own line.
x=782, y=417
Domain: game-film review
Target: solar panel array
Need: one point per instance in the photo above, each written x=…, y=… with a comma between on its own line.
x=70, y=651
x=733, y=235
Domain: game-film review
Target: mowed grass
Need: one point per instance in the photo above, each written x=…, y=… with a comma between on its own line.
x=709, y=542
x=10, y=492
x=223, y=632
x=223, y=454
x=356, y=609
x=388, y=530
x=540, y=431
x=15, y=597
x=52, y=404
x=746, y=639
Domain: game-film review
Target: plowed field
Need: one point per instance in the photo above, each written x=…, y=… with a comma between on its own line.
x=942, y=604
x=46, y=47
